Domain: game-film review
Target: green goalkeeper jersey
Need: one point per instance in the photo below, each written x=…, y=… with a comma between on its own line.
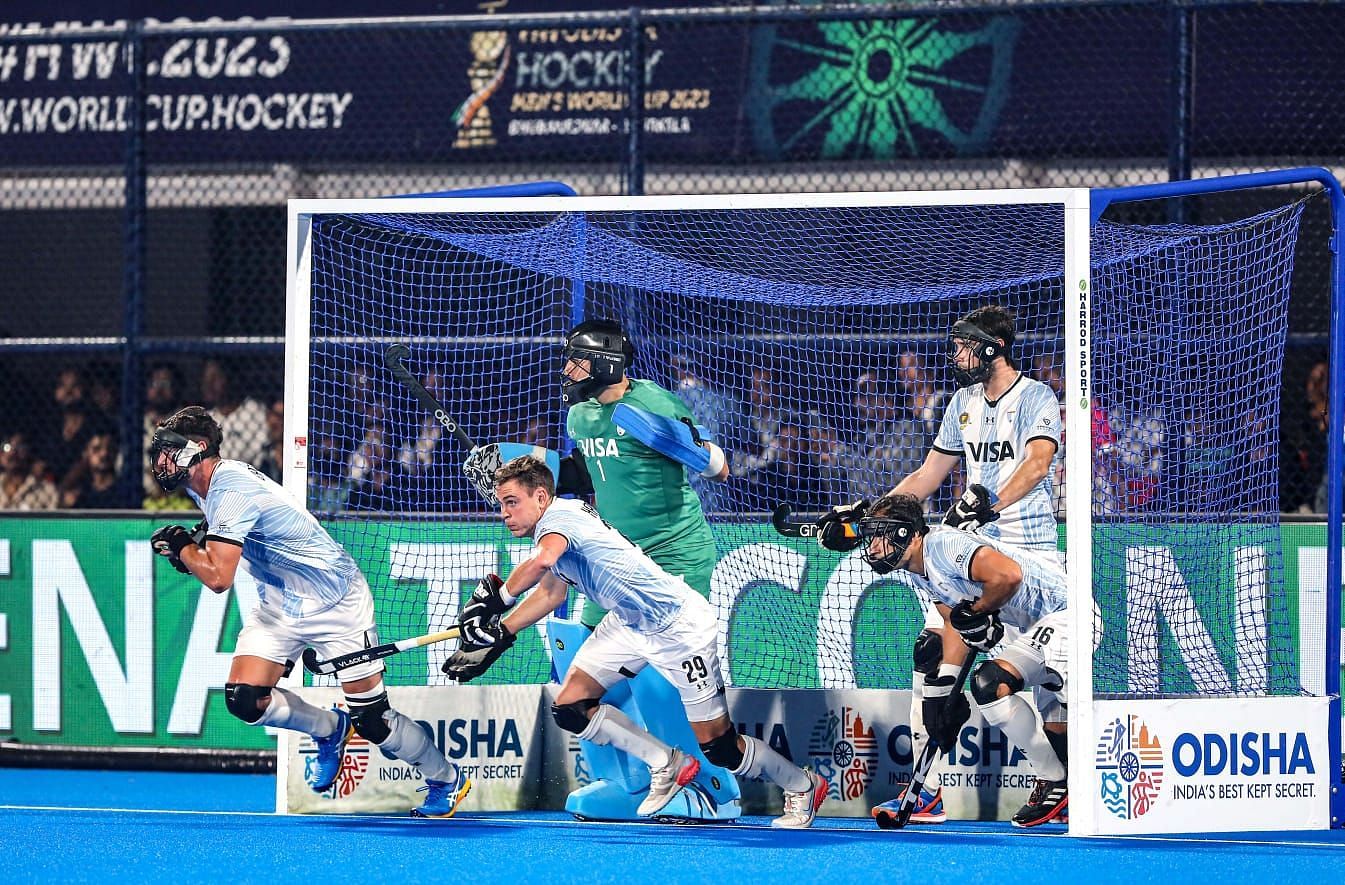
x=641, y=493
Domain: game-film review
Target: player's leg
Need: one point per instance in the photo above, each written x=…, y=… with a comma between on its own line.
x=926, y=654
x=1034, y=659
x=607, y=657
x=686, y=652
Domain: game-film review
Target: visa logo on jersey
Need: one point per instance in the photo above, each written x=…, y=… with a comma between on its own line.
x=990, y=452
x=1252, y=753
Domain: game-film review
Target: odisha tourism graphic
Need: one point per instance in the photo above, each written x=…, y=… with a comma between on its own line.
x=1129, y=762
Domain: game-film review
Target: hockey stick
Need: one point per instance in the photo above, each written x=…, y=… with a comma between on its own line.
x=482, y=461
x=920, y=770
x=350, y=659
x=792, y=528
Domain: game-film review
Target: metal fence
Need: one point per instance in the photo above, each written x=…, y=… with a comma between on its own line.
x=146, y=168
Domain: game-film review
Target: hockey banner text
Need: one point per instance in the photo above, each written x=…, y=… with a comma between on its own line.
x=103, y=643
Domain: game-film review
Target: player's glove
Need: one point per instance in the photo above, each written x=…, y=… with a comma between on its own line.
x=199, y=531
x=979, y=630
x=169, y=541
x=972, y=510
x=481, y=645
x=487, y=599
x=944, y=713
x=835, y=530
x=927, y=652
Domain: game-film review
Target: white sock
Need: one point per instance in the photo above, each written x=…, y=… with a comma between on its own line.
x=759, y=761
x=610, y=726
x=288, y=710
x=409, y=743
x=1014, y=716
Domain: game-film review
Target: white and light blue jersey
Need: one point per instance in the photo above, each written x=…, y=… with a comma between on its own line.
x=300, y=571
x=610, y=570
x=992, y=438
x=948, y=556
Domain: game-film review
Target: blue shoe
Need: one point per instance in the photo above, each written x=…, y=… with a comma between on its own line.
x=443, y=797
x=322, y=767
x=928, y=810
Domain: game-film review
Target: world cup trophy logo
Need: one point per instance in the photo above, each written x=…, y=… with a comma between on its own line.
x=490, y=61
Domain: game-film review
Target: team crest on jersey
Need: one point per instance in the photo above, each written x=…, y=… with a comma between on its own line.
x=354, y=764
x=844, y=750
x=1129, y=762
x=963, y=419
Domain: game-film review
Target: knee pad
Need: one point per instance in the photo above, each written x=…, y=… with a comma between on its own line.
x=241, y=699
x=573, y=717
x=367, y=717
x=987, y=679
x=928, y=651
x=723, y=750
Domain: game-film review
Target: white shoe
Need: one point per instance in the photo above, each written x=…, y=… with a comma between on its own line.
x=666, y=781
x=801, y=808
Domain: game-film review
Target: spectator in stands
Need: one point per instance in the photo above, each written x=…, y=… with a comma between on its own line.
x=20, y=487
x=1108, y=486
x=104, y=388
x=272, y=462
x=1303, y=459
x=76, y=420
x=766, y=412
x=92, y=482
x=163, y=386
x=926, y=400
x=328, y=486
x=243, y=419
x=373, y=484
x=793, y=473
x=1141, y=451
x=419, y=454
x=890, y=440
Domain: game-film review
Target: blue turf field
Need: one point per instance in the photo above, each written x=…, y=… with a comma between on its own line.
x=61, y=826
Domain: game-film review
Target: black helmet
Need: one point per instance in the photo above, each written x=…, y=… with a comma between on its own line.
x=985, y=348
x=608, y=351
x=898, y=519
x=181, y=435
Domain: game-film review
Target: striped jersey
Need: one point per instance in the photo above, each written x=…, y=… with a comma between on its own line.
x=948, y=555
x=300, y=571
x=609, y=569
x=992, y=438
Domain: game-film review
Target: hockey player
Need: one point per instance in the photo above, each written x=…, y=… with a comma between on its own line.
x=653, y=618
x=311, y=594
x=981, y=589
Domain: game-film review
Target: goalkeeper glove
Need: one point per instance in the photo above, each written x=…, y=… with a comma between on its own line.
x=481, y=645
x=489, y=598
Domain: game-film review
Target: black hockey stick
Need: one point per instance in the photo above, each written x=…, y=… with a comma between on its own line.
x=395, y=359
x=350, y=659
x=920, y=769
x=792, y=528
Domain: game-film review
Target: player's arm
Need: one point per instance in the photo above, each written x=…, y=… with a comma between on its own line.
x=215, y=564
x=1031, y=471
x=954, y=649
x=998, y=575
x=535, y=571
x=931, y=473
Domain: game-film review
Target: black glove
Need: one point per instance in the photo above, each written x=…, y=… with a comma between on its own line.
x=928, y=652
x=169, y=541
x=487, y=599
x=481, y=645
x=972, y=510
x=980, y=630
x=835, y=531
x=944, y=713
x=199, y=531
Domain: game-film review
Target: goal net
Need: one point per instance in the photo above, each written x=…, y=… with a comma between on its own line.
x=810, y=335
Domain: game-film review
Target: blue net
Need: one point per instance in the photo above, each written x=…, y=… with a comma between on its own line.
x=812, y=342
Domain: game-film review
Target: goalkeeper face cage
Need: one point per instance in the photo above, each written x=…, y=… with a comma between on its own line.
x=608, y=354
x=170, y=439
x=896, y=532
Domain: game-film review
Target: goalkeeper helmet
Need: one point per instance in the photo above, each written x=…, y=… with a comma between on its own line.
x=188, y=437
x=984, y=349
x=603, y=343
x=898, y=520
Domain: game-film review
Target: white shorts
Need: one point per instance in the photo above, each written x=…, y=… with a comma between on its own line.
x=1041, y=655
x=345, y=627
x=685, y=652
